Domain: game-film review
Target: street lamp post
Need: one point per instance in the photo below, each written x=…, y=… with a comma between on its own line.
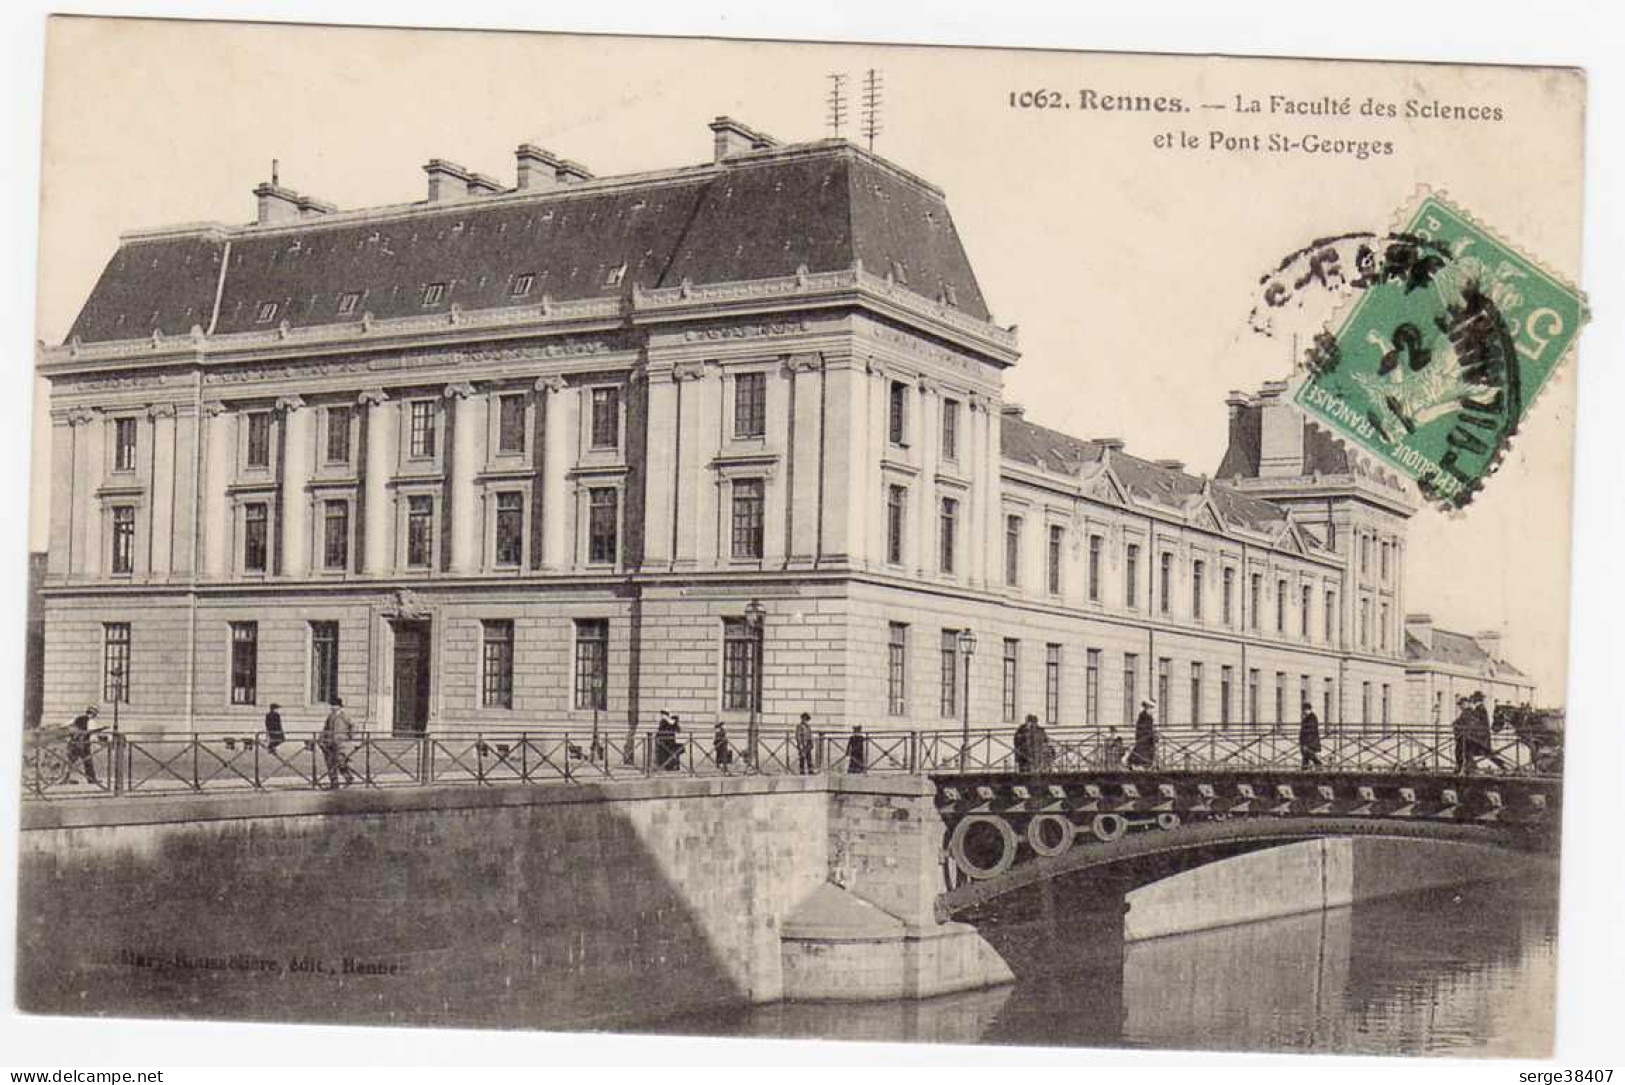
x=755, y=620
x=967, y=648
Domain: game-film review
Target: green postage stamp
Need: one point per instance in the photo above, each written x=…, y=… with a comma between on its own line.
x=1434, y=367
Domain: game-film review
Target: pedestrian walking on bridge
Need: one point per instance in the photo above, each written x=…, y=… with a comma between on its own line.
x=804, y=745
x=336, y=734
x=857, y=753
x=1144, y=754
x=1309, y=737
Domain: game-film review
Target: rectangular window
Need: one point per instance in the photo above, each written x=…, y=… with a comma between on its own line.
x=1096, y=544
x=947, y=533
x=1052, y=683
x=1012, y=550
x=606, y=417
x=1387, y=706
x=1385, y=561
x=1280, y=606
x=511, y=422
x=1365, y=622
x=433, y=294
x=896, y=422
x=1253, y=682
x=265, y=313
x=1330, y=695
x=1165, y=584
x=335, y=534
x=256, y=535
x=1365, y=555
x=348, y=302
x=897, y=669
x=741, y=657
x=1197, y=569
x=245, y=662
x=1382, y=626
x=338, y=434
x=1303, y=691
x=950, y=674
x=603, y=524
x=750, y=405
x=1365, y=704
x=1227, y=678
x=521, y=285
x=496, y=663
x=116, y=662
x=124, y=444
x=1229, y=602
x=123, y=539
x=1012, y=669
x=1165, y=684
x=1306, y=600
x=259, y=439
x=950, y=430
x=421, y=442
x=896, y=501
x=324, y=662
x=1196, y=693
x=1131, y=676
x=747, y=517
x=1280, y=697
x=1057, y=538
x=1091, y=687
x=1256, y=603
x=592, y=664
x=419, y=531
x=510, y=533
x=1331, y=616
x=1131, y=577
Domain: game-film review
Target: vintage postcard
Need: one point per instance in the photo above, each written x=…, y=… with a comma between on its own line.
x=770, y=539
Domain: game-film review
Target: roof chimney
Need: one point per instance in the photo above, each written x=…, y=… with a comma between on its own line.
x=1012, y=410
x=447, y=180
x=568, y=172
x=1490, y=641
x=537, y=169
x=1171, y=465
x=1420, y=626
x=311, y=207
x=481, y=185
x=1113, y=443
x=276, y=204
x=733, y=138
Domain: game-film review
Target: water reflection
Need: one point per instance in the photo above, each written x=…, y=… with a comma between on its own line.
x=1464, y=971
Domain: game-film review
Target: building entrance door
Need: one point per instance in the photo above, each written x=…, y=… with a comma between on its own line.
x=411, y=677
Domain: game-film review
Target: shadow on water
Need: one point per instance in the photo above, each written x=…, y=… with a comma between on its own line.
x=1464, y=971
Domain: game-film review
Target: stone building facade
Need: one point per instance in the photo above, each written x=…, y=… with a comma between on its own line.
x=1442, y=665
x=528, y=454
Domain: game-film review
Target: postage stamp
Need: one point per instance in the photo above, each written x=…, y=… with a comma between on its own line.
x=1434, y=369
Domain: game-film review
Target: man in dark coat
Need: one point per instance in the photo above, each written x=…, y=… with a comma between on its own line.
x=274, y=735
x=1461, y=729
x=1309, y=737
x=857, y=753
x=79, y=744
x=334, y=744
x=1144, y=754
x=721, y=752
x=804, y=745
x=1023, y=743
x=1479, y=741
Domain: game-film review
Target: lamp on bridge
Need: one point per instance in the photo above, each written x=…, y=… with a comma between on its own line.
x=755, y=620
x=967, y=648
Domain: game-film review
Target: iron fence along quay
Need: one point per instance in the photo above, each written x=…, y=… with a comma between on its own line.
x=134, y=763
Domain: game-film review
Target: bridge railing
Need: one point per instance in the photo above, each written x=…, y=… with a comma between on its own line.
x=134, y=763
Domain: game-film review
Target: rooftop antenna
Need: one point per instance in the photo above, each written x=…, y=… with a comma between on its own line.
x=837, y=102
x=872, y=86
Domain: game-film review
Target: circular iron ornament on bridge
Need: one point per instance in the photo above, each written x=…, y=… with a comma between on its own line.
x=1109, y=827
x=1050, y=834
x=974, y=840
x=1166, y=821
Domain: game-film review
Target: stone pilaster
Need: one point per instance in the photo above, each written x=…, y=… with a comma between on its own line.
x=696, y=490
x=927, y=439
x=804, y=458
x=219, y=428
x=557, y=412
x=660, y=485
x=465, y=411
x=294, y=522
x=93, y=471
x=382, y=426
x=161, y=505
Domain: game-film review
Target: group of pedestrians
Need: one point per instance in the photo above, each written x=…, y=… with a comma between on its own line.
x=1471, y=730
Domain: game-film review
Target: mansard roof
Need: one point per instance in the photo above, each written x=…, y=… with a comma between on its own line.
x=1144, y=480
x=1457, y=650
x=825, y=206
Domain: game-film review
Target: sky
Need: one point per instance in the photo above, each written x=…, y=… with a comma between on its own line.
x=1129, y=269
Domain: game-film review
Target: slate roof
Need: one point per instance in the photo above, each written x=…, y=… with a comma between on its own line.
x=1322, y=453
x=1456, y=650
x=1050, y=450
x=820, y=206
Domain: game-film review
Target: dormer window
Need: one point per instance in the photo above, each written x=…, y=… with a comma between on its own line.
x=348, y=302
x=266, y=312
x=521, y=285
x=616, y=274
x=433, y=294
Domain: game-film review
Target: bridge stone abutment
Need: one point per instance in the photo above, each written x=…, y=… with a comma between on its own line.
x=577, y=906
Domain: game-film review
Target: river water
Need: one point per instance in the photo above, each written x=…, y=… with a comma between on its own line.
x=1468, y=971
